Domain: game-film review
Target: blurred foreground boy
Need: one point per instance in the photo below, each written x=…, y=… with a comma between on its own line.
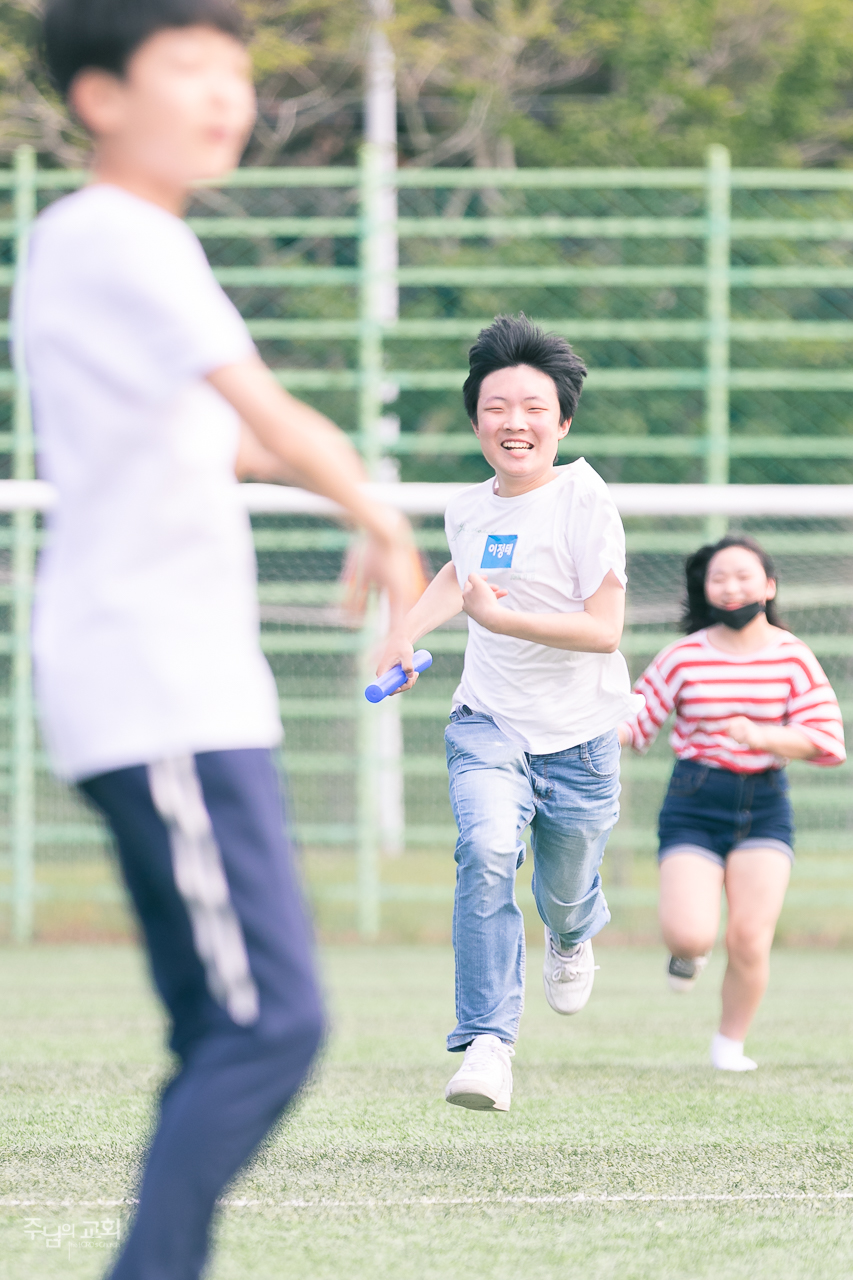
x=153, y=693
x=538, y=565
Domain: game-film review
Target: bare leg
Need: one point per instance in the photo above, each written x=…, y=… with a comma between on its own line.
x=689, y=905
x=755, y=881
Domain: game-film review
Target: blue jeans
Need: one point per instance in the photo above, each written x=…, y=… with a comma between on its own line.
x=570, y=801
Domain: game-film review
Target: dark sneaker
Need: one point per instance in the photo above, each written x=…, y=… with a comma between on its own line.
x=682, y=974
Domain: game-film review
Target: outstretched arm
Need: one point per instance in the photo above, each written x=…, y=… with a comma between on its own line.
x=316, y=455
x=255, y=462
x=310, y=448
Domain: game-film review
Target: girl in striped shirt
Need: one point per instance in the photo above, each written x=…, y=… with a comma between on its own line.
x=748, y=697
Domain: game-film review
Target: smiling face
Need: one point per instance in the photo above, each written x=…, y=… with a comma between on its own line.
x=519, y=426
x=736, y=577
x=182, y=112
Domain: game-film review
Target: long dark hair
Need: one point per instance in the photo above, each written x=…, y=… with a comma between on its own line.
x=695, y=614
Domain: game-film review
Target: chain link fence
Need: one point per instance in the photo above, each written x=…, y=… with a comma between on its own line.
x=715, y=310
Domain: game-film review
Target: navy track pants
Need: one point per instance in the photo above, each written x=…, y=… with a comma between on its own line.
x=205, y=855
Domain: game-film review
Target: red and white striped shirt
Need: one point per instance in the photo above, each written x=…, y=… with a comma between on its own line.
x=782, y=684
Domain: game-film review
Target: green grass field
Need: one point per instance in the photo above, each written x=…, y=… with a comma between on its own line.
x=624, y=1156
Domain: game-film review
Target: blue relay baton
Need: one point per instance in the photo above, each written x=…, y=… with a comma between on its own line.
x=396, y=677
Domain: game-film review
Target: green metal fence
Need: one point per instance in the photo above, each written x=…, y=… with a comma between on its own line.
x=715, y=309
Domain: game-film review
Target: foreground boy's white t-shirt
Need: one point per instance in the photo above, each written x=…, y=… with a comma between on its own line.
x=551, y=549
x=146, y=622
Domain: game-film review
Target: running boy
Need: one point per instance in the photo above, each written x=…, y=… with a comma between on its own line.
x=152, y=690
x=539, y=567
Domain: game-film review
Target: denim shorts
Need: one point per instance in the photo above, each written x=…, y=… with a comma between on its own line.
x=712, y=812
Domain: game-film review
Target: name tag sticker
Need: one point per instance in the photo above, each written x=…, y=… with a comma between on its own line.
x=499, y=551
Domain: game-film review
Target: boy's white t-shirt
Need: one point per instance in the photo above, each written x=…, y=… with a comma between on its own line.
x=146, y=629
x=551, y=549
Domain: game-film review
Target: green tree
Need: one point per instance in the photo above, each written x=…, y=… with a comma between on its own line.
x=772, y=79
x=538, y=82
x=30, y=111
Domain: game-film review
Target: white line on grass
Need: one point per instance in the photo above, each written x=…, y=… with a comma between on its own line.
x=580, y=1198
x=711, y=1197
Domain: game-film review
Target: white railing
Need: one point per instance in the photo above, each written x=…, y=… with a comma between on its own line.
x=807, y=500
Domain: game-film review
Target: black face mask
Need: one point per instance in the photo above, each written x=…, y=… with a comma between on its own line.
x=737, y=619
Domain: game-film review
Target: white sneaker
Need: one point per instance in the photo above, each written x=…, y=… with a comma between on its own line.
x=681, y=974
x=484, y=1081
x=728, y=1055
x=567, y=975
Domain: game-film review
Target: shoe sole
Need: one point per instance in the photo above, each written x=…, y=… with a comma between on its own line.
x=567, y=1013
x=681, y=985
x=477, y=1102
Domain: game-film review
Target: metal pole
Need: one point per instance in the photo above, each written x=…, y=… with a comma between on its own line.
x=380, y=132
x=367, y=853
x=370, y=408
x=370, y=343
x=23, y=562
x=717, y=314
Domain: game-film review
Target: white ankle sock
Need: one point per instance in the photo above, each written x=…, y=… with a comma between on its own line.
x=728, y=1055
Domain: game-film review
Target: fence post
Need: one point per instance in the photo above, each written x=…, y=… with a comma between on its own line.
x=23, y=561
x=380, y=130
x=370, y=412
x=717, y=262
x=370, y=308
x=367, y=745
